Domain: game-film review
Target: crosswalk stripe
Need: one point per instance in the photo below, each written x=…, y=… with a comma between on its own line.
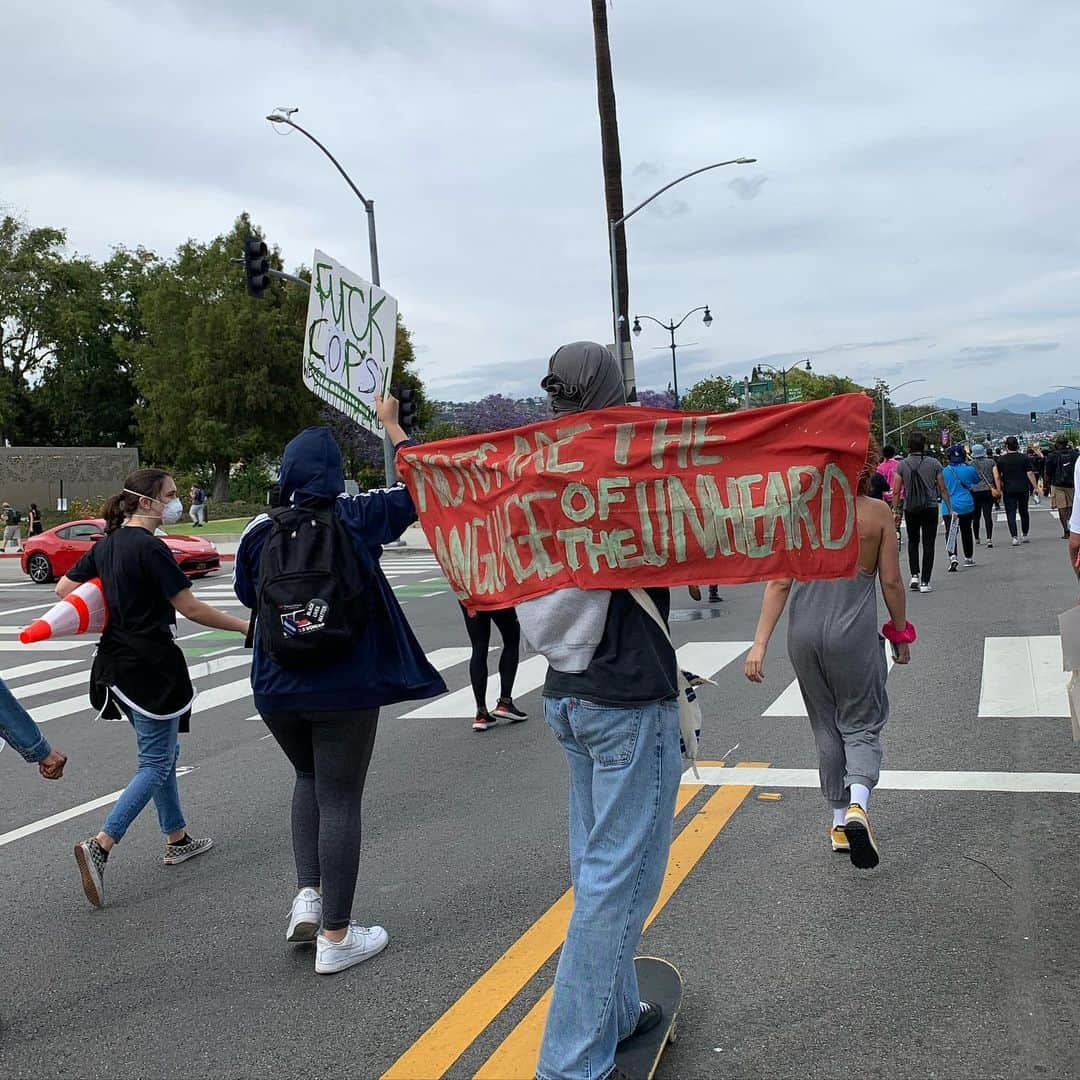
x=24, y=671
x=1022, y=676
x=708, y=657
x=63, y=645
x=790, y=702
x=460, y=704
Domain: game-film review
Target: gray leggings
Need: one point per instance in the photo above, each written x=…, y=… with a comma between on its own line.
x=330, y=752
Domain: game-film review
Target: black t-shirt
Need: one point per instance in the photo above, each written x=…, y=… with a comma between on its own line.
x=1013, y=467
x=138, y=664
x=634, y=664
x=140, y=578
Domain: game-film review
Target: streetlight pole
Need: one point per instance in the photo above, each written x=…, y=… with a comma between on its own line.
x=758, y=368
x=671, y=326
x=884, y=389
x=284, y=116
x=627, y=362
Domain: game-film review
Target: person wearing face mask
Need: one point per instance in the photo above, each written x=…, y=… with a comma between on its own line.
x=139, y=671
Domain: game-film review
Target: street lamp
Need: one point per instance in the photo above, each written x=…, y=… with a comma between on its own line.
x=284, y=116
x=627, y=362
x=884, y=388
x=759, y=368
x=671, y=326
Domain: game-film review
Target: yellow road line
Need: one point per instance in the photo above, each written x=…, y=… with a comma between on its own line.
x=454, y=1032
x=515, y=1059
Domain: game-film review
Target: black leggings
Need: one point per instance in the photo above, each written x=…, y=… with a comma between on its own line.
x=966, y=522
x=984, y=511
x=1017, y=502
x=921, y=529
x=479, y=629
x=330, y=752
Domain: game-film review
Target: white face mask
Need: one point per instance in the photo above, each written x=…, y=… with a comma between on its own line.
x=173, y=510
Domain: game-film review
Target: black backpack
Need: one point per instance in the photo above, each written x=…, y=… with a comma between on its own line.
x=917, y=493
x=314, y=599
x=1064, y=464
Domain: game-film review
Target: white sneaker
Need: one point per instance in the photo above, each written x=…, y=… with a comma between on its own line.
x=1025, y=541
x=914, y=583
x=926, y=587
x=1015, y=542
x=306, y=916
x=969, y=562
x=359, y=944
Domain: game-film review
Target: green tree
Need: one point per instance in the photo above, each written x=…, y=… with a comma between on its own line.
x=218, y=372
x=718, y=394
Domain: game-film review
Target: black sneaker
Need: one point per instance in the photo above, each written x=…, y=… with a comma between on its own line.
x=483, y=721
x=507, y=710
x=651, y=1014
x=91, y=858
x=186, y=849
x=714, y=596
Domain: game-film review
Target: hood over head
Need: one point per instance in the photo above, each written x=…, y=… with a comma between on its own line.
x=582, y=376
x=311, y=469
x=978, y=450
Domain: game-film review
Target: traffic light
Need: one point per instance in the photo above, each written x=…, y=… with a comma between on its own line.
x=407, y=405
x=256, y=267
x=988, y=437
x=974, y=408
x=1034, y=417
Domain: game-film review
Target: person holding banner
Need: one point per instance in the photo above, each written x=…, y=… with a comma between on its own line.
x=610, y=698
x=839, y=660
x=139, y=672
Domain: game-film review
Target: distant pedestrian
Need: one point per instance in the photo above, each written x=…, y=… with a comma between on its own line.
x=985, y=493
x=921, y=487
x=1058, y=480
x=1037, y=464
x=838, y=655
x=33, y=520
x=478, y=627
x=19, y=730
x=198, y=506
x=960, y=479
x=139, y=671
x=12, y=529
x=890, y=462
x=1013, y=476
x=323, y=707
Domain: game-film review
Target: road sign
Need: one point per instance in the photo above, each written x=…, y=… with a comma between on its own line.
x=764, y=386
x=928, y=423
x=794, y=394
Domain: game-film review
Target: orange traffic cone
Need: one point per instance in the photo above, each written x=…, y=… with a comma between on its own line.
x=80, y=612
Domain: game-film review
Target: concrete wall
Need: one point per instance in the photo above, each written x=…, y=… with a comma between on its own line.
x=34, y=473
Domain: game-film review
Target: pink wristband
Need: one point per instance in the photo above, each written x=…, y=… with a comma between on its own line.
x=899, y=637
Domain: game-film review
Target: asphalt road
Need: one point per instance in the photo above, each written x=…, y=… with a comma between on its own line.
x=958, y=957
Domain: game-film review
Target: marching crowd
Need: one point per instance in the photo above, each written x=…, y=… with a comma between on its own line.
x=343, y=649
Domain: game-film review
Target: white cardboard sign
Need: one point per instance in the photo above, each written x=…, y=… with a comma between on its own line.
x=348, y=340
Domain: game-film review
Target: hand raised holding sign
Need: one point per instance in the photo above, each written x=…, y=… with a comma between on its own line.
x=386, y=409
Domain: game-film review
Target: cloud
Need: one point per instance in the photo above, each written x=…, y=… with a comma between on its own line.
x=748, y=189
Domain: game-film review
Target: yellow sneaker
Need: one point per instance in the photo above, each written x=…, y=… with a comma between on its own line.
x=860, y=838
x=839, y=839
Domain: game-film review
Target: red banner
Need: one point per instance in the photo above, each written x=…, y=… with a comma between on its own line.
x=628, y=496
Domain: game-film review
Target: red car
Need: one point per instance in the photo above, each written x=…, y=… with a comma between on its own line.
x=54, y=552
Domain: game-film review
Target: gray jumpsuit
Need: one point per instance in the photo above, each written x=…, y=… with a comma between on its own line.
x=839, y=659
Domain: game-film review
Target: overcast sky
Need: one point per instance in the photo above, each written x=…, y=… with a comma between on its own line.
x=914, y=211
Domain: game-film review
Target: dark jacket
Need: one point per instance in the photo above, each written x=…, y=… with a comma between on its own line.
x=387, y=664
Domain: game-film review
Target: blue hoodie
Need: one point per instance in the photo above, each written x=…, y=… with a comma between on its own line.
x=387, y=664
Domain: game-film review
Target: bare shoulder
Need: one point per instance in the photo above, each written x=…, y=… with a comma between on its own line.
x=874, y=511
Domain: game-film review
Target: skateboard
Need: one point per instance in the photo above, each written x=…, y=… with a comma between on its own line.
x=659, y=982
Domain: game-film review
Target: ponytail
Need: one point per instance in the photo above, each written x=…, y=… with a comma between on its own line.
x=118, y=508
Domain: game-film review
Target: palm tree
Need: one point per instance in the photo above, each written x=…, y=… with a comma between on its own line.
x=609, y=142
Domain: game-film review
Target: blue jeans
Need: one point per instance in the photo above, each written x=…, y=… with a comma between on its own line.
x=159, y=749
x=17, y=728
x=625, y=766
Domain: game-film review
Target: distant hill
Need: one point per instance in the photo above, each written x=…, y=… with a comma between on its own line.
x=1015, y=403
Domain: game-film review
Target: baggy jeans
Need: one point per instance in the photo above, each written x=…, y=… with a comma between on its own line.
x=625, y=766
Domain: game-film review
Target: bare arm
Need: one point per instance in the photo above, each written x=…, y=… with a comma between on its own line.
x=65, y=585
x=386, y=408
x=191, y=607
x=772, y=607
x=997, y=478
x=944, y=489
x=1031, y=479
